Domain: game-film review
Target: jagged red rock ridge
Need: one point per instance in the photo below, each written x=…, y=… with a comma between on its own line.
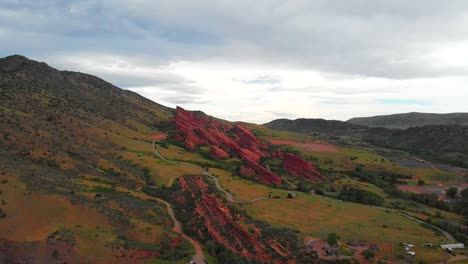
x=198, y=129
x=221, y=224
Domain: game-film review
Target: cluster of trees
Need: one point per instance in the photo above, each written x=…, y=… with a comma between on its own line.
x=387, y=181
x=461, y=206
x=2, y=213
x=356, y=195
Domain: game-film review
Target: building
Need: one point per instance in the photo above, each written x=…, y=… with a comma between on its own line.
x=453, y=246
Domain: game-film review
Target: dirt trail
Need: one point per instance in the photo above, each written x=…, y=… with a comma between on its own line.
x=229, y=196
x=199, y=257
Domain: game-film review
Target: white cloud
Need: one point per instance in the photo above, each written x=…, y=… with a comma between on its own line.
x=257, y=60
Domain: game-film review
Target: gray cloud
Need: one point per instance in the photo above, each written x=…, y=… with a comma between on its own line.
x=179, y=100
x=371, y=38
x=328, y=58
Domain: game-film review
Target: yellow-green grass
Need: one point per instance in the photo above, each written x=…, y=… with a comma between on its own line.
x=178, y=153
x=146, y=232
x=361, y=185
x=266, y=133
x=349, y=158
x=160, y=170
x=120, y=135
x=243, y=189
x=33, y=217
x=427, y=254
x=318, y=216
x=465, y=261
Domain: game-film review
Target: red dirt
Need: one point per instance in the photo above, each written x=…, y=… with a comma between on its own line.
x=158, y=137
x=282, y=142
x=317, y=147
x=198, y=129
x=423, y=189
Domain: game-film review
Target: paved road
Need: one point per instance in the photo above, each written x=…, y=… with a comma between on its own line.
x=445, y=233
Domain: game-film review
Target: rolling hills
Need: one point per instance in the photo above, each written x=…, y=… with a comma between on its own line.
x=91, y=173
x=439, y=143
x=408, y=120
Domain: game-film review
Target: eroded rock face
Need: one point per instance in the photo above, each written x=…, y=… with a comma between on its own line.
x=226, y=227
x=301, y=168
x=217, y=153
x=238, y=141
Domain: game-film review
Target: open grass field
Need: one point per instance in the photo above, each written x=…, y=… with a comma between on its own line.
x=243, y=189
x=178, y=153
x=34, y=216
x=161, y=171
x=317, y=216
x=39, y=215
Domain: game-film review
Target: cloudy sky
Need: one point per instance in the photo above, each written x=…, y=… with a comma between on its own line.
x=257, y=60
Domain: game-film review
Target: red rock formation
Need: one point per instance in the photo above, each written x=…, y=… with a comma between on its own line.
x=262, y=174
x=301, y=168
x=217, y=153
x=199, y=129
x=224, y=228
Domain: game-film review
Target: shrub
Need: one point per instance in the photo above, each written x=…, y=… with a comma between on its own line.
x=55, y=254
x=368, y=254
x=332, y=239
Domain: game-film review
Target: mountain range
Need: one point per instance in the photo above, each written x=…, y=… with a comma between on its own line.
x=408, y=120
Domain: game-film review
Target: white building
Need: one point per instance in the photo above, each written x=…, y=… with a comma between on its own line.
x=453, y=246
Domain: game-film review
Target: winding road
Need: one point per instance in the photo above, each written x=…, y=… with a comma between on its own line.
x=229, y=196
x=445, y=233
x=199, y=257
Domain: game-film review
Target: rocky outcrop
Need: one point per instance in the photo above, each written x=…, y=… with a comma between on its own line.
x=217, y=153
x=226, y=227
x=196, y=128
x=301, y=168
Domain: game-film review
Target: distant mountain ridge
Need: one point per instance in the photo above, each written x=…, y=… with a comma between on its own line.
x=414, y=119
x=305, y=125
x=442, y=143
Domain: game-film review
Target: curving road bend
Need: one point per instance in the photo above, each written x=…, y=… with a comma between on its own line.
x=199, y=257
x=229, y=196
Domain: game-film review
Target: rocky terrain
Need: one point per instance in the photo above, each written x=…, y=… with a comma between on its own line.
x=439, y=143
x=91, y=173
x=227, y=140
